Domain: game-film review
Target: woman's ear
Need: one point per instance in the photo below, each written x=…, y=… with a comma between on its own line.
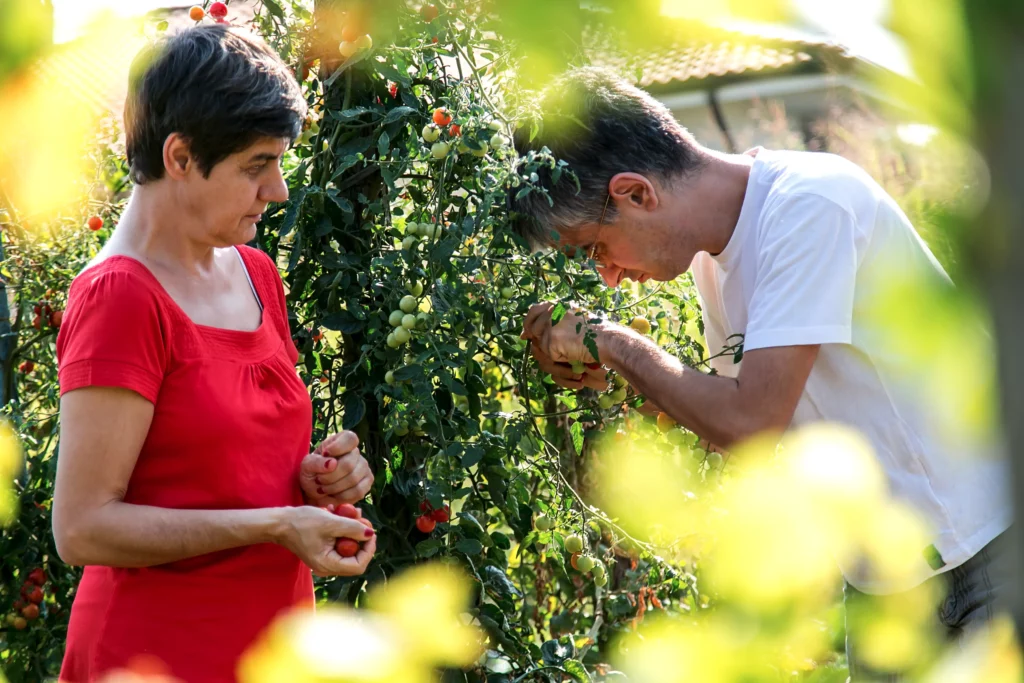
x=633, y=190
x=177, y=156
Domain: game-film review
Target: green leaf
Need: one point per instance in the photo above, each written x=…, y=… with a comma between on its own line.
x=355, y=409
x=397, y=113
x=428, y=547
x=469, y=546
x=291, y=214
x=354, y=146
x=577, y=437
x=383, y=144
x=472, y=456
x=349, y=114
x=342, y=166
x=555, y=652
x=274, y=8
x=408, y=372
x=576, y=670
x=343, y=321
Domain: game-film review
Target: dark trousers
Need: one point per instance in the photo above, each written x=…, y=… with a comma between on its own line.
x=965, y=599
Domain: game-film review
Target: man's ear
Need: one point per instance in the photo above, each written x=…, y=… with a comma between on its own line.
x=177, y=156
x=633, y=190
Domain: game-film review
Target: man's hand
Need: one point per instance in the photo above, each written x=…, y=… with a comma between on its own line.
x=562, y=343
x=593, y=375
x=336, y=472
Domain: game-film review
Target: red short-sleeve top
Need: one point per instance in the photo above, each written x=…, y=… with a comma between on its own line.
x=232, y=421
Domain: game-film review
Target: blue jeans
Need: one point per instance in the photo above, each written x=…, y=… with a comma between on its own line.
x=971, y=594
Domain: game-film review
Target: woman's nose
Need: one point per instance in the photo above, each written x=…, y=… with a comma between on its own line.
x=611, y=276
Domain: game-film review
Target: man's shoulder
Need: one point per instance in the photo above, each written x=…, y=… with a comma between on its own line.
x=830, y=177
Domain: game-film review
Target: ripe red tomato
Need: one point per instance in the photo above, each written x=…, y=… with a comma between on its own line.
x=37, y=322
x=594, y=366
x=393, y=89
x=348, y=510
x=429, y=12
x=317, y=336
x=425, y=524
x=425, y=506
x=218, y=10
x=346, y=547
x=27, y=367
x=35, y=595
x=18, y=604
x=365, y=522
x=441, y=515
x=572, y=561
x=30, y=612
x=56, y=318
x=196, y=13
x=441, y=117
x=37, y=576
x=455, y=130
x=95, y=223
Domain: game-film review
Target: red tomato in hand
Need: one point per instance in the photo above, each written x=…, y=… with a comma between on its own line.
x=346, y=547
x=425, y=523
x=348, y=510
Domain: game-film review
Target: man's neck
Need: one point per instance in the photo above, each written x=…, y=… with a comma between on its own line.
x=717, y=199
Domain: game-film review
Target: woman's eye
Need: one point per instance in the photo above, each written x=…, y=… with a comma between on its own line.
x=255, y=170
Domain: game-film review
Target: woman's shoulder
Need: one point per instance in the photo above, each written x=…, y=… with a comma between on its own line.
x=258, y=262
x=116, y=280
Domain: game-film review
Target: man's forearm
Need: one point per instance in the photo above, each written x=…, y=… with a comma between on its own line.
x=708, y=405
x=120, y=534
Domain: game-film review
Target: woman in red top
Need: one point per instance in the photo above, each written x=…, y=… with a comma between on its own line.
x=184, y=480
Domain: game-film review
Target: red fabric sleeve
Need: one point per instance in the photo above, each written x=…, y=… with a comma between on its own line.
x=113, y=334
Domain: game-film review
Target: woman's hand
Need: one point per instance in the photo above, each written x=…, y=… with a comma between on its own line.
x=311, y=533
x=336, y=472
x=562, y=374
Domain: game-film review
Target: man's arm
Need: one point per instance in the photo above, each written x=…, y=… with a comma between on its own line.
x=722, y=410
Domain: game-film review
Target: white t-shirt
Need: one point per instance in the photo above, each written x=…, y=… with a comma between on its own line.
x=813, y=234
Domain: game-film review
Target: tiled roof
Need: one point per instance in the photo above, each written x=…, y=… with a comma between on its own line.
x=682, y=55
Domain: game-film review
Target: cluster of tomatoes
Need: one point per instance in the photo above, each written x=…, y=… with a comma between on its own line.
x=483, y=136
x=581, y=562
x=26, y=608
x=218, y=12
x=348, y=547
x=430, y=518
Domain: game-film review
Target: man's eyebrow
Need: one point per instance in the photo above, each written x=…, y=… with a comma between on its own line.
x=263, y=156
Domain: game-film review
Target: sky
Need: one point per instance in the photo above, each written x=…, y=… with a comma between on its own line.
x=857, y=24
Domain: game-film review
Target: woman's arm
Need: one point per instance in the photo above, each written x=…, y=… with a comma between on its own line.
x=102, y=432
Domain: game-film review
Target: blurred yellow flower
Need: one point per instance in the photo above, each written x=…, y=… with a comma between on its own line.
x=10, y=466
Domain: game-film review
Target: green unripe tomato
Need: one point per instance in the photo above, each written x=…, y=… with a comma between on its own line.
x=495, y=125
x=314, y=127
x=392, y=341
x=401, y=429
x=407, y=304
x=402, y=335
x=508, y=292
x=431, y=132
x=620, y=382
x=598, y=569
x=462, y=147
x=574, y=544
x=601, y=580
x=605, y=401
x=714, y=460
x=414, y=288
x=482, y=152
x=585, y=563
x=676, y=437
x=395, y=319
x=439, y=150
x=543, y=523
x=619, y=395
x=363, y=42
x=422, y=319
x=498, y=141
x=409, y=243
x=578, y=367
x=389, y=377
x=408, y=321
x=412, y=228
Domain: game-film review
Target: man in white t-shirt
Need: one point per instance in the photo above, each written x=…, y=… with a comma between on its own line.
x=789, y=251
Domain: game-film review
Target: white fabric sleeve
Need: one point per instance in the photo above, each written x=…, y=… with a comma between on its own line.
x=806, y=275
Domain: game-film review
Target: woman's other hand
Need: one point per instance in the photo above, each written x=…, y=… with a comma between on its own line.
x=336, y=472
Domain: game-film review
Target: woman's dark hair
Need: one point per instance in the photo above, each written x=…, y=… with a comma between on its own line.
x=218, y=88
x=599, y=125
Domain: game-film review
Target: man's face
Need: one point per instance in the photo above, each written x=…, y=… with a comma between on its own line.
x=637, y=246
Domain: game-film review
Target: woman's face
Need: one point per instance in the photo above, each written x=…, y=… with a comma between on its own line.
x=225, y=207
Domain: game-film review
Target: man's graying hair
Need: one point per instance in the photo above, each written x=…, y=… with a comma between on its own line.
x=600, y=125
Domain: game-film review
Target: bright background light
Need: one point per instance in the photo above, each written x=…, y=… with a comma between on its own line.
x=70, y=17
